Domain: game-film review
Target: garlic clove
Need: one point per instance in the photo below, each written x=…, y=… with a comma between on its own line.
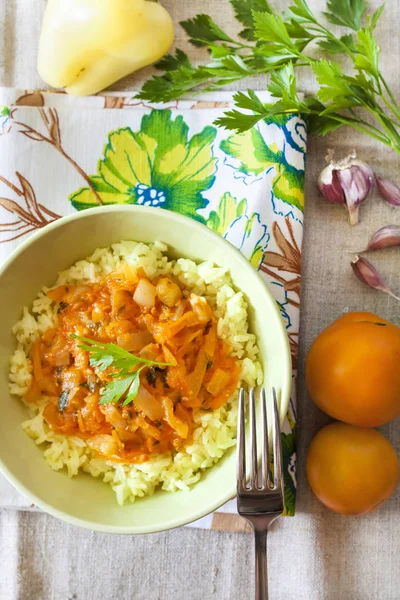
x=329, y=185
x=389, y=191
x=385, y=237
x=356, y=182
x=348, y=181
x=369, y=276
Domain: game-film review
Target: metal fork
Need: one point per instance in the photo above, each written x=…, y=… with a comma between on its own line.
x=261, y=500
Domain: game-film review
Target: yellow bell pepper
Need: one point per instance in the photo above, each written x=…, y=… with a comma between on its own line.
x=86, y=45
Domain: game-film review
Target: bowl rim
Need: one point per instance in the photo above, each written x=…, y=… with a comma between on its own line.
x=286, y=361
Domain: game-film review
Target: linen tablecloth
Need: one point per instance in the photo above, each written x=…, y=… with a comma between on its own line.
x=315, y=556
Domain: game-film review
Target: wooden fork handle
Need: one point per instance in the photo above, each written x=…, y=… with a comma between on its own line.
x=261, y=565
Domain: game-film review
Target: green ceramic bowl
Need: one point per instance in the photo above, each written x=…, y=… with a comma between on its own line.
x=84, y=500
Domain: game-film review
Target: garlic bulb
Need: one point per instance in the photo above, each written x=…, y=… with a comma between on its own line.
x=348, y=182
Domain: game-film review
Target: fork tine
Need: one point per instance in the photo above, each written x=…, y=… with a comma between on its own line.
x=241, y=446
x=278, y=461
x=266, y=476
x=253, y=440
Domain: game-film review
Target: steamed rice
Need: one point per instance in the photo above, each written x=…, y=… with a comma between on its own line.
x=214, y=432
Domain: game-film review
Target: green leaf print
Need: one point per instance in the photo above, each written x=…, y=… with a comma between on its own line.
x=289, y=449
x=156, y=166
x=225, y=214
x=245, y=231
x=256, y=156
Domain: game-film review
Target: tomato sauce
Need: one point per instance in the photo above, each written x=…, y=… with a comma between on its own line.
x=154, y=320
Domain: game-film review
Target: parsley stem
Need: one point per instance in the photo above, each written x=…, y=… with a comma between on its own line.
x=364, y=128
x=389, y=128
x=392, y=110
x=394, y=107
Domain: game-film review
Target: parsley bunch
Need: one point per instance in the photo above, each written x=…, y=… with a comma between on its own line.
x=125, y=380
x=278, y=44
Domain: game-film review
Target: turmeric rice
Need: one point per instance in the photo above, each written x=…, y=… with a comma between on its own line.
x=189, y=326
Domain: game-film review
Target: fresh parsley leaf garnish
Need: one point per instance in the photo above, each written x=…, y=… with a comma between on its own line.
x=126, y=377
x=244, y=13
x=376, y=16
x=335, y=46
x=272, y=28
x=278, y=44
x=114, y=390
x=202, y=30
x=347, y=13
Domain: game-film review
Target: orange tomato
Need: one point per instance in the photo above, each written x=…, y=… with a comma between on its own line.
x=353, y=370
x=352, y=470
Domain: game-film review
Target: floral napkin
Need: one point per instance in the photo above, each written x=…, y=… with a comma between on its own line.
x=60, y=154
